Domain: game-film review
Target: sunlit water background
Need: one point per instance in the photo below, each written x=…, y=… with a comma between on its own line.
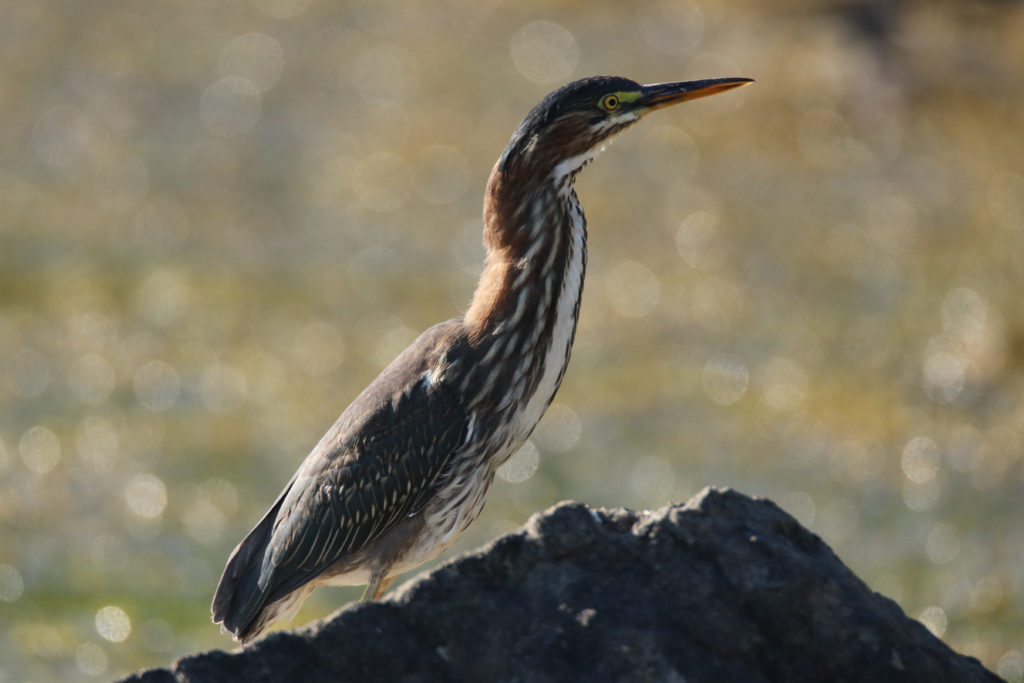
x=220, y=220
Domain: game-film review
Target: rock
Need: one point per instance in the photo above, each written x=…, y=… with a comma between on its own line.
x=723, y=588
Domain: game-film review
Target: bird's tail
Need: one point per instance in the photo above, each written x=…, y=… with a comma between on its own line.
x=241, y=595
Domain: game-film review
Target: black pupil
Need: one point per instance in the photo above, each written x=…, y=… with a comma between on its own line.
x=611, y=102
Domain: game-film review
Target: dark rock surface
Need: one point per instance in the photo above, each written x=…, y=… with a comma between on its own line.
x=723, y=588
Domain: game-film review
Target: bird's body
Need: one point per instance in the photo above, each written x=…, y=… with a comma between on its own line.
x=406, y=467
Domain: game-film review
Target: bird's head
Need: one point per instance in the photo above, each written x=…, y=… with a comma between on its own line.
x=568, y=127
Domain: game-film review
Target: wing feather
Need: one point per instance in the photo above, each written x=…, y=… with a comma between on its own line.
x=345, y=498
x=380, y=462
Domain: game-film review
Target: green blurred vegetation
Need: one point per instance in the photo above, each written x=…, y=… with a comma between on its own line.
x=220, y=220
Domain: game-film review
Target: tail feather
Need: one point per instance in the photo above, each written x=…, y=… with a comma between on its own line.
x=239, y=598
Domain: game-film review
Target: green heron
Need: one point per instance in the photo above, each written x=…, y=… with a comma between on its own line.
x=406, y=467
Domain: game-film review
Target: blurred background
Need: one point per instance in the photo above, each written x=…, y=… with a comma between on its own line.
x=219, y=221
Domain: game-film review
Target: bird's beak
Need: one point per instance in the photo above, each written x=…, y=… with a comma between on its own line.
x=658, y=95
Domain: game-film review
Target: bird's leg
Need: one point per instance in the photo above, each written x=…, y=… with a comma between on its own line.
x=379, y=583
x=371, y=588
x=384, y=586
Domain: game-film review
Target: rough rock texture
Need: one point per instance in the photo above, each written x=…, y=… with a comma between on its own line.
x=723, y=588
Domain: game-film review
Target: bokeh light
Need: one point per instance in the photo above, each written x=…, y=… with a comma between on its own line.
x=256, y=57
x=146, y=496
x=943, y=544
x=1011, y=665
x=223, y=387
x=40, y=449
x=800, y=505
x=544, y=52
x=91, y=659
x=632, y=289
x=157, y=385
x=113, y=624
x=96, y=441
x=11, y=584
x=559, y=430
x=92, y=379
x=698, y=241
x=935, y=619
x=921, y=460
x=784, y=384
x=725, y=379
x=521, y=465
x=230, y=107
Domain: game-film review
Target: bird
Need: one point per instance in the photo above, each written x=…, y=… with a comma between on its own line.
x=406, y=467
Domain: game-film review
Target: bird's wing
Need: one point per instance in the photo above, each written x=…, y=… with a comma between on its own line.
x=343, y=499
x=378, y=464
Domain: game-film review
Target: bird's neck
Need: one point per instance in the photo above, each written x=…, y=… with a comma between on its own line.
x=523, y=316
x=535, y=235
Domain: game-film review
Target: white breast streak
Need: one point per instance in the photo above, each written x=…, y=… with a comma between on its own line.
x=561, y=339
x=573, y=164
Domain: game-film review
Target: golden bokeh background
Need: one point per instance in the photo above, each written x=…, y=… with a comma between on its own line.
x=220, y=220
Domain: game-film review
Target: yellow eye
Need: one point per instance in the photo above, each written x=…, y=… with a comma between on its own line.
x=610, y=102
